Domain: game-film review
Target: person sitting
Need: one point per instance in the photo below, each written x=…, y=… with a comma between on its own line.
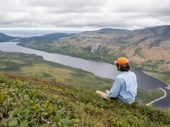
x=124, y=88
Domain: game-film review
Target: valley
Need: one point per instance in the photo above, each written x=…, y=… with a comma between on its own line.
x=147, y=49
x=38, y=69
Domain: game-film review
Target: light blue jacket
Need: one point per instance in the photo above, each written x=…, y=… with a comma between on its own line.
x=124, y=88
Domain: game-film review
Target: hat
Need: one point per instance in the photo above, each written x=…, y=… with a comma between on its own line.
x=121, y=61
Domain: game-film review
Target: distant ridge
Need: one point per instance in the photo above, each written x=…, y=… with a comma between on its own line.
x=4, y=37
x=111, y=31
x=157, y=30
x=48, y=37
x=56, y=35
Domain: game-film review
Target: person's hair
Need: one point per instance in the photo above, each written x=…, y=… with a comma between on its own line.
x=126, y=67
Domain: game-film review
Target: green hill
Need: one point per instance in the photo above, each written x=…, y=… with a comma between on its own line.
x=26, y=102
x=44, y=38
x=4, y=38
x=112, y=31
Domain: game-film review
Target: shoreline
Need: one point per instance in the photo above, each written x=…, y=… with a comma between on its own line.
x=147, y=73
x=165, y=93
x=168, y=87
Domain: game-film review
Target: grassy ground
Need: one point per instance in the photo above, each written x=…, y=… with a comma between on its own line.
x=30, y=103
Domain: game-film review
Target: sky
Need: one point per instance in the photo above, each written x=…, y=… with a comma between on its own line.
x=83, y=14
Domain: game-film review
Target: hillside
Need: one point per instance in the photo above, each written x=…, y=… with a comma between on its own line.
x=149, y=44
x=29, y=103
x=148, y=49
x=4, y=38
x=44, y=38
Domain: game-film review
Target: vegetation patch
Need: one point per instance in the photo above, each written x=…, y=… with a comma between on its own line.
x=149, y=95
x=30, y=103
x=37, y=68
x=138, y=52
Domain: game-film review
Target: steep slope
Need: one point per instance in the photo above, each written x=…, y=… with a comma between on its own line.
x=29, y=103
x=149, y=44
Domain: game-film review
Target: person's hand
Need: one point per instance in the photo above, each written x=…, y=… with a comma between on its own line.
x=106, y=91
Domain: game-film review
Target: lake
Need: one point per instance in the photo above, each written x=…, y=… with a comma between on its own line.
x=102, y=69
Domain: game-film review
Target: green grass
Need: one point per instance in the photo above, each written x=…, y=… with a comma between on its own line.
x=30, y=103
x=148, y=96
x=139, y=53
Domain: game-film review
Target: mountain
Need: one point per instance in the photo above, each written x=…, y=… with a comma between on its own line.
x=48, y=37
x=4, y=38
x=112, y=31
x=148, y=49
x=138, y=45
x=146, y=45
x=154, y=36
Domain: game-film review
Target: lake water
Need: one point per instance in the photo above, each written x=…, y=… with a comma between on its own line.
x=98, y=68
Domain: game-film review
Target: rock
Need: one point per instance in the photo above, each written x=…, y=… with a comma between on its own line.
x=97, y=47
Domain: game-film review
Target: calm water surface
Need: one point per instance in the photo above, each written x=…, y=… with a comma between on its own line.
x=98, y=68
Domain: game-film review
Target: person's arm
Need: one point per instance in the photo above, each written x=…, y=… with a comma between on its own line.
x=114, y=91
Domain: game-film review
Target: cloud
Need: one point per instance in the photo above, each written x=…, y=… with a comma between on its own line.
x=81, y=14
